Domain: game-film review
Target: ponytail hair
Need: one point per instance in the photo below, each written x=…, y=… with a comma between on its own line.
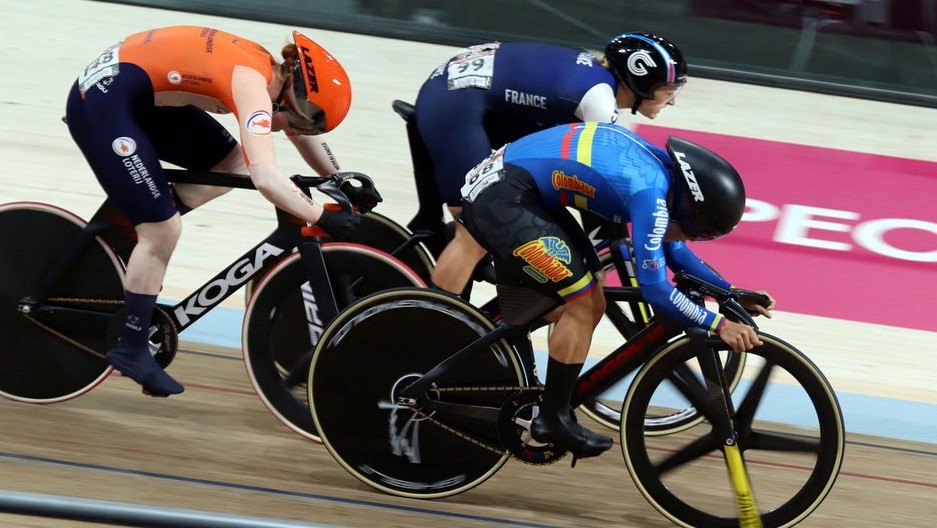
x=290, y=54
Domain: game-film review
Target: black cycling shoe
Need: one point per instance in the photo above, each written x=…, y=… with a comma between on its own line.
x=141, y=367
x=564, y=431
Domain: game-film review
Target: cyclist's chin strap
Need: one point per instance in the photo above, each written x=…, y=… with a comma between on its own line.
x=637, y=103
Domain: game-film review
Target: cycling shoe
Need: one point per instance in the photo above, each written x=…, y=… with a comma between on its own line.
x=564, y=431
x=141, y=367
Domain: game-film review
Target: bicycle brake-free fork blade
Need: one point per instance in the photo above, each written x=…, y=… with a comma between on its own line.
x=721, y=414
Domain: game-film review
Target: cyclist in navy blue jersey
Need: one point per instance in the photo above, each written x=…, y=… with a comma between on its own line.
x=491, y=94
x=516, y=206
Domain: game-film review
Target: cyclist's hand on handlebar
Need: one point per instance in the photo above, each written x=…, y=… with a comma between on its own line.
x=740, y=337
x=756, y=306
x=339, y=224
x=366, y=198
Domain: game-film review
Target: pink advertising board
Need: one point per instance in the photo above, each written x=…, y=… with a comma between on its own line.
x=833, y=233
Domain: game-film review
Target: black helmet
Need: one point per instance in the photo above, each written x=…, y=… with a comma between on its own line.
x=645, y=62
x=707, y=195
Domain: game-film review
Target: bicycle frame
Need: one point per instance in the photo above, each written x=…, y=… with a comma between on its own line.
x=606, y=372
x=291, y=234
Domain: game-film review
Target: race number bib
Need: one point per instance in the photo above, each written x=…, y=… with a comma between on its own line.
x=106, y=65
x=484, y=175
x=473, y=68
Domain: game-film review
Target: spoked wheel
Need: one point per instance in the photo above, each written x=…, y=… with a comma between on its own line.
x=378, y=347
x=622, y=320
x=53, y=354
x=282, y=322
x=789, y=429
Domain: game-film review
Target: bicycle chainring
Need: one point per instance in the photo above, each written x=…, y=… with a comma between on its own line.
x=517, y=412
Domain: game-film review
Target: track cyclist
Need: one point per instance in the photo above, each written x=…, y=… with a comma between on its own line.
x=515, y=205
x=491, y=94
x=149, y=98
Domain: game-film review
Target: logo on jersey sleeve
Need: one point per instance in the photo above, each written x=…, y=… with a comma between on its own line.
x=259, y=123
x=653, y=264
x=124, y=146
x=661, y=220
x=547, y=258
x=174, y=78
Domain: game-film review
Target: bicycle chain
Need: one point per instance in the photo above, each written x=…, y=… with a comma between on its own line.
x=480, y=443
x=64, y=337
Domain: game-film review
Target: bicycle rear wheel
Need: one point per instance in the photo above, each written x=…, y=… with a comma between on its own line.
x=623, y=320
x=282, y=325
x=379, y=346
x=789, y=426
x=52, y=355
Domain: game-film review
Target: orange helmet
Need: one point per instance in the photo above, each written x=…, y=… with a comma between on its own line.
x=321, y=93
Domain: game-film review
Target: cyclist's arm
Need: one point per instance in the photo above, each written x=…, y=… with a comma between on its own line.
x=316, y=152
x=649, y=220
x=254, y=110
x=598, y=104
x=681, y=258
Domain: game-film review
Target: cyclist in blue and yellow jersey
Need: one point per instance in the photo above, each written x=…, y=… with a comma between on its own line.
x=491, y=94
x=516, y=206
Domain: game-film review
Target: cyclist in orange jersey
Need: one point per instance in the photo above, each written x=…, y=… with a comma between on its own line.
x=148, y=98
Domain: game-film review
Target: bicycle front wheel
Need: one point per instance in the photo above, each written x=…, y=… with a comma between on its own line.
x=380, y=232
x=788, y=423
x=621, y=321
x=282, y=323
x=53, y=354
x=379, y=346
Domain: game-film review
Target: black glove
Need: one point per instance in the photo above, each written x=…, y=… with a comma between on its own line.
x=366, y=198
x=339, y=224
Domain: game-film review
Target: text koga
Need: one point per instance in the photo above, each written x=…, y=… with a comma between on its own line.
x=216, y=290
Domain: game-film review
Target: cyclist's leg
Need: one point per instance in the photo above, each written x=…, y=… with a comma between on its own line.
x=145, y=272
x=456, y=263
x=102, y=124
x=533, y=252
x=451, y=123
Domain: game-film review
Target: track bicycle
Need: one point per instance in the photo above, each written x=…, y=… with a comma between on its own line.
x=63, y=285
x=419, y=247
x=435, y=399
x=426, y=234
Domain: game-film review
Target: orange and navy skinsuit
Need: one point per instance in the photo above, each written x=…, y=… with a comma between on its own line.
x=146, y=99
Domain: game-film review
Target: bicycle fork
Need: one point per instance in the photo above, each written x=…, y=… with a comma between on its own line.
x=722, y=411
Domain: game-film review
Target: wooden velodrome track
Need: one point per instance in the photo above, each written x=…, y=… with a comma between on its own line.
x=217, y=449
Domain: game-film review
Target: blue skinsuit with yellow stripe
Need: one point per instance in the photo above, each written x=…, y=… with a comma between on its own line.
x=609, y=171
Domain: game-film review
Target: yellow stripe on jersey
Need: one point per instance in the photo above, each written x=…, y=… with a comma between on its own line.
x=584, y=144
